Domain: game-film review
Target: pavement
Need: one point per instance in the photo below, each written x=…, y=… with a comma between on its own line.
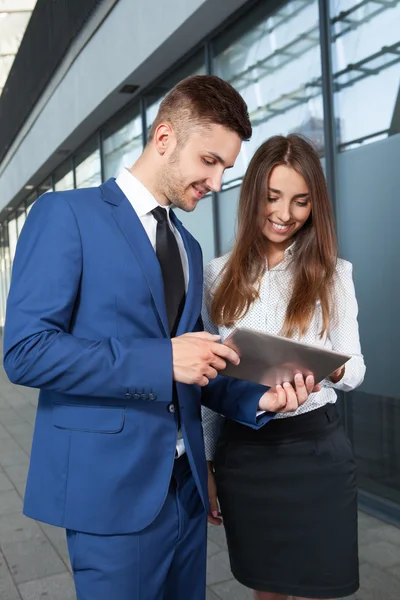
x=34, y=562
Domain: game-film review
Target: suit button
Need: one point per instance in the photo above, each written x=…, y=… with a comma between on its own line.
x=128, y=396
x=144, y=396
x=152, y=397
x=171, y=408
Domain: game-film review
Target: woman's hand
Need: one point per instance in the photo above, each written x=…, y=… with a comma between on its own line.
x=285, y=398
x=214, y=516
x=337, y=375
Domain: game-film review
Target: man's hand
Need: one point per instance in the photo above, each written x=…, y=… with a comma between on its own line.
x=286, y=398
x=214, y=516
x=197, y=357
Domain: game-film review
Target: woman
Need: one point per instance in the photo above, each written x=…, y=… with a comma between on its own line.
x=287, y=491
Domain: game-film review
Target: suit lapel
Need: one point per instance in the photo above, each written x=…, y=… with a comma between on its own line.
x=137, y=238
x=189, y=314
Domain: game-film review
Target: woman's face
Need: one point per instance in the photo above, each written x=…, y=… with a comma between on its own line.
x=287, y=207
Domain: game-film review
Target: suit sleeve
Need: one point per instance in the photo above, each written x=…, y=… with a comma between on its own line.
x=39, y=351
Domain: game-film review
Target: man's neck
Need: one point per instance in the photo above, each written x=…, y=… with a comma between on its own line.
x=148, y=177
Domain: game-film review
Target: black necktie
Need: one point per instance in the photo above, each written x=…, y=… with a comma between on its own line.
x=171, y=267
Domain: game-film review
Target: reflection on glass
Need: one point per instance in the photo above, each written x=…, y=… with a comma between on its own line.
x=200, y=223
x=12, y=236
x=3, y=281
x=7, y=261
x=194, y=66
x=88, y=165
x=372, y=423
x=21, y=217
x=32, y=198
x=276, y=66
x=228, y=201
x=64, y=177
x=367, y=184
x=44, y=187
x=122, y=142
x=366, y=65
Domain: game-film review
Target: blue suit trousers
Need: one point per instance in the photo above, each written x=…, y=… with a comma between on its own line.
x=164, y=561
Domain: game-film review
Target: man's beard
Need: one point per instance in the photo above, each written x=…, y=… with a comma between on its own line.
x=170, y=184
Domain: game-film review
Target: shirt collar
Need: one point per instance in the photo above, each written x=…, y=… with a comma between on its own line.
x=287, y=258
x=290, y=250
x=138, y=195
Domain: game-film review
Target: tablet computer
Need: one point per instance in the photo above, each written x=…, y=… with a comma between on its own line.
x=270, y=359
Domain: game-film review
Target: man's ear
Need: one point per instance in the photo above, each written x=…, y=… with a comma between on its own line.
x=164, y=137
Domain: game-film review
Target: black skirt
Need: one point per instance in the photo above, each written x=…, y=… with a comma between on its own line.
x=288, y=497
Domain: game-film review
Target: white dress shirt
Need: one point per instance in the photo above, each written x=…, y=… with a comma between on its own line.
x=143, y=202
x=267, y=314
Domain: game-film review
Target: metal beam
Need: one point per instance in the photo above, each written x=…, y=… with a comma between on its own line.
x=328, y=102
x=352, y=24
x=395, y=123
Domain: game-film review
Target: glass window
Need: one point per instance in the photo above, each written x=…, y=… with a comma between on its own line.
x=366, y=65
x=44, y=187
x=273, y=59
x=200, y=223
x=228, y=201
x=32, y=199
x=122, y=141
x=194, y=66
x=64, y=177
x=88, y=165
x=21, y=217
x=3, y=282
x=12, y=235
x=368, y=180
x=7, y=261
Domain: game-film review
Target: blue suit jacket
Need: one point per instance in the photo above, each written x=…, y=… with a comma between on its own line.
x=86, y=323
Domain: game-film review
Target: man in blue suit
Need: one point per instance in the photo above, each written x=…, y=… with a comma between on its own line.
x=104, y=317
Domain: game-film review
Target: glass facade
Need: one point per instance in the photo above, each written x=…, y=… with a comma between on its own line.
x=31, y=199
x=21, y=216
x=12, y=235
x=366, y=70
x=368, y=179
x=122, y=141
x=279, y=57
x=64, y=177
x=3, y=274
x=43, y=188
x=201, y=224
x=365, y=40
x=194, y=66
x=88, y=165
x=273, y=59
x=228, y=200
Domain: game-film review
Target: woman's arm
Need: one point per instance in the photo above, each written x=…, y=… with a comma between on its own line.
x=344, y=334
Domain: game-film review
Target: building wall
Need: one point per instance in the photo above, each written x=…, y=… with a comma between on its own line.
x=368, y=217
x=137, y=41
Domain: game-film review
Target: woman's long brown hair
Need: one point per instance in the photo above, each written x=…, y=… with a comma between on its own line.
x=315, y=253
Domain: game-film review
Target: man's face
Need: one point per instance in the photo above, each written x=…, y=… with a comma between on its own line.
x=192, y=170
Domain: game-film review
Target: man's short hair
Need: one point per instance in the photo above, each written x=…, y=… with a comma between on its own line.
x=203, y=100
